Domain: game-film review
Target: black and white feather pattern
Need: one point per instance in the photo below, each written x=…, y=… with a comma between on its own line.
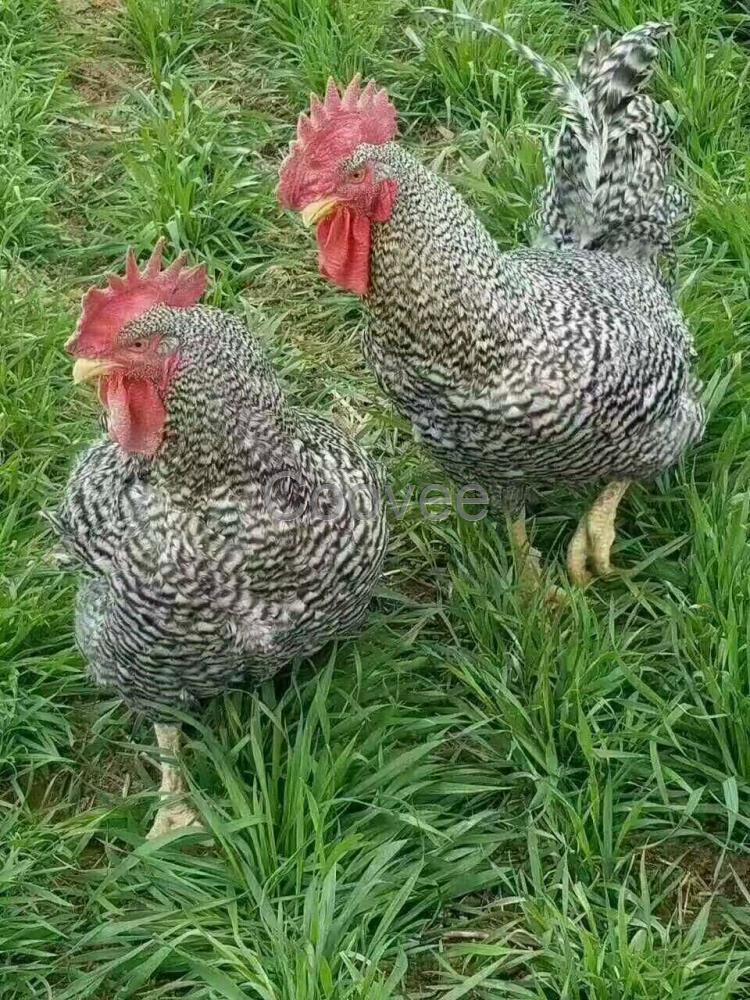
x=565, y=362
x=254, y=536
x=608, y=176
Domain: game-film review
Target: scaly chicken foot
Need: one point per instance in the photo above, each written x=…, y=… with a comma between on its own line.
x=529, y=564
x=589, y=552
x=172, y=814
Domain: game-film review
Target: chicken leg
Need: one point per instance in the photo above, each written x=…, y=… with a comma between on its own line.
x=172, y=814
x=591, y=545
x=528, y=561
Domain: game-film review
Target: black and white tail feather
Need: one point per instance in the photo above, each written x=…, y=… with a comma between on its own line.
x=608, y=171
x=608, y=184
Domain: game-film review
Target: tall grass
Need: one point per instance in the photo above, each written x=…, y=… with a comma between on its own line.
x=479, y=798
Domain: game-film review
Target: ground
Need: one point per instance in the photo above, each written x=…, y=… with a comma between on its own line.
x=479, y=798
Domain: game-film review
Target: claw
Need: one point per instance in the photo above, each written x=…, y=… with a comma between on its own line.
x=591, y=545
x=578, y=551
x=531, y=576
x=174, y=817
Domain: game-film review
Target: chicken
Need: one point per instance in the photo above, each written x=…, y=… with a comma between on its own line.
x=223, y=532
x=564, y=362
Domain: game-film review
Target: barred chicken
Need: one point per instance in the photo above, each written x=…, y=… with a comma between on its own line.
x=564, y=362
x=222, y=531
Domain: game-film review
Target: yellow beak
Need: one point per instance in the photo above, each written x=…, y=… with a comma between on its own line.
x=87, y=369
x=317, y=210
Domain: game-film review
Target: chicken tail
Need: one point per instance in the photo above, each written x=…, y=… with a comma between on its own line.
x=608, y=172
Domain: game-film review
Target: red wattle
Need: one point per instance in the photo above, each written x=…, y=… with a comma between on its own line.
x=136, y=413
x=344, y=250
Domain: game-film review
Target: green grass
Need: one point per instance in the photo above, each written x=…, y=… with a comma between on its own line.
x=573, y=789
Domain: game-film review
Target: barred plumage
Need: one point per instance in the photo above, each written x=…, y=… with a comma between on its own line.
x=194, y=582
x=532, y=366
x=608, y=184
x=565, y=362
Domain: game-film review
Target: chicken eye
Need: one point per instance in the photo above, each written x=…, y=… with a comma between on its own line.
x=358, y=175
x=138, y=345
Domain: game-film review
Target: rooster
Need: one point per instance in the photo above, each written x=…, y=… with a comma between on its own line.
x=564, y=362
x=222, y=531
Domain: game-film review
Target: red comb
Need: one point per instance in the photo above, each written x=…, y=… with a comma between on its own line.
x=107, y=310
x=333, y=129
x=372, y=108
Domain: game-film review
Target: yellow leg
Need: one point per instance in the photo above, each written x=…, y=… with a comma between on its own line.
x=591, y=545
x=172, y=814
x=529, y=563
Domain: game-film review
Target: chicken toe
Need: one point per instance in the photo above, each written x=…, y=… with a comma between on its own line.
x=578, y=554
x=174, y=816
x=589, y=552
x=531, y=575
